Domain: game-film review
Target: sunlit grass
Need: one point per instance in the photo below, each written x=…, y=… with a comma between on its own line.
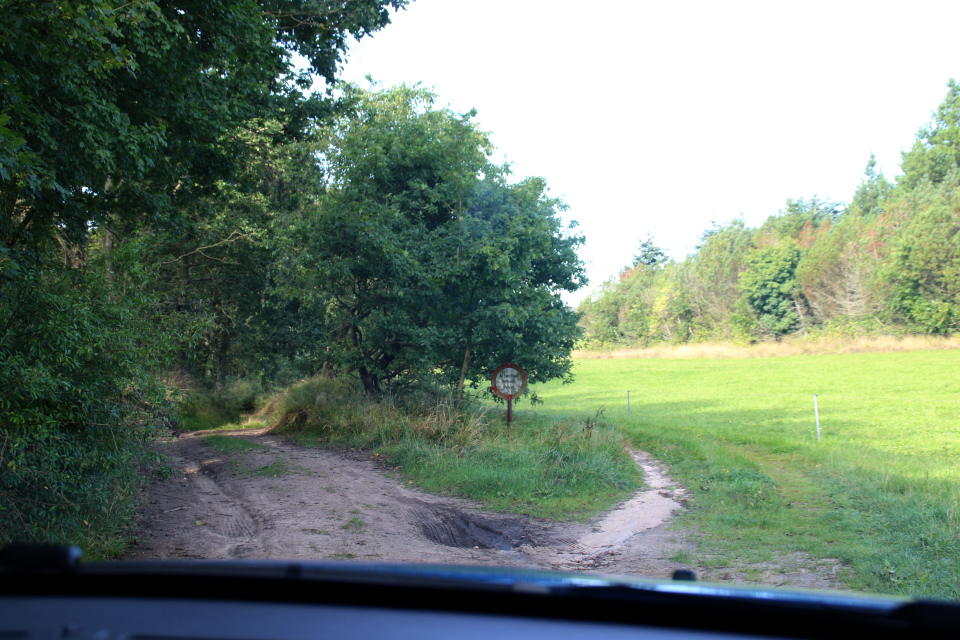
x=880, y=492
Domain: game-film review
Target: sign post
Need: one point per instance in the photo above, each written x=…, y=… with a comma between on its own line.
x=509, y=381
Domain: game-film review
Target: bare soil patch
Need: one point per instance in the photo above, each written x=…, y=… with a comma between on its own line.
x=285, y=501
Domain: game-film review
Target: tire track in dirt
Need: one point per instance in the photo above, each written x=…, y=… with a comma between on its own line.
x=284, y=501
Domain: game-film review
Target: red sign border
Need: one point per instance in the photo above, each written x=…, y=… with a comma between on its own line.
x=493, y=380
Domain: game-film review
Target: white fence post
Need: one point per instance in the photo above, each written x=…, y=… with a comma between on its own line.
x=816, y=412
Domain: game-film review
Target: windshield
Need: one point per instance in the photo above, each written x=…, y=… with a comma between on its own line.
x=626, y=289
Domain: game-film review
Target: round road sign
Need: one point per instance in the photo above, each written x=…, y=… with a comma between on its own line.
x=509, y=381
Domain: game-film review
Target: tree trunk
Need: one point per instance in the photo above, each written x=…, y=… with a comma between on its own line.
x=803, y=320
x=222, y=356
x=466, y=362
x=107, y=248
x=183, y=273
x=370, y=382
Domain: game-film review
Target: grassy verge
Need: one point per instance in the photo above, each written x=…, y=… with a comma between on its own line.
x=542, y=466
x=880, y=493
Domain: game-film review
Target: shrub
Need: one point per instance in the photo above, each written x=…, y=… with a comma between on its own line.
x=80, y=403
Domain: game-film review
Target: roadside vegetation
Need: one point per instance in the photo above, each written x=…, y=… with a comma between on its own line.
x=184, y=228
x=880, y=492
x=563, y=468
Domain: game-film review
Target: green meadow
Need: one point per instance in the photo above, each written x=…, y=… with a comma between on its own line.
x=880, y=492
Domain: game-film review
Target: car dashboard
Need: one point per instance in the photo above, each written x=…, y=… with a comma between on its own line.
x=266, y=600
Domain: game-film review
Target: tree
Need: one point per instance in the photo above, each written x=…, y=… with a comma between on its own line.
x=936, y=151
x=123, y=113
x=771, y=288
x=715, y=275
x=837, y=273
x=873, y=191
x=420, y=257
x=125, y=132
x=925, y=267
x=649, y=255
x=502, y=294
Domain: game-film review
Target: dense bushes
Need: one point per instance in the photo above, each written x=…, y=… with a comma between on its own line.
x=79, y=400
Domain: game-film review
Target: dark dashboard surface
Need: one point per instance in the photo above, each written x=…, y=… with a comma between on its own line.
x=61, y=599
x=87, y=618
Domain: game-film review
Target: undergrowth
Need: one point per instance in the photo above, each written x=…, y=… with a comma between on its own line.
x=538, y=466
x=205, y=407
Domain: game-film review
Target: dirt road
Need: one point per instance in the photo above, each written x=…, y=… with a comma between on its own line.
x=284, y=501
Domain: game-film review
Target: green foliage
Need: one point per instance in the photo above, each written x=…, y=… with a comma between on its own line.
x=714, y=273
x=839, y=271
x=117, y=113
x=138, y=141
x=925, y=266
x=871, y=196
x=202, y=408
x=936, y=152
x=420, y=255
x=80, y=401
x=649, y=254
x=771, y=287
x=885, y=264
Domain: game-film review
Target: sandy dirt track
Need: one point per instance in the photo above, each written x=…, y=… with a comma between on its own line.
x=285, y=501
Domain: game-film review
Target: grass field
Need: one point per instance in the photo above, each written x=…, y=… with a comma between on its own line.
x=879, y=493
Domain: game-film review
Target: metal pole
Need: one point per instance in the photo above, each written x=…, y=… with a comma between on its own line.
x=628, y=404
x=509, y=410
x=816, y=412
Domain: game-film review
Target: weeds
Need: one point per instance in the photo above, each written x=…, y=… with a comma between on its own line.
x=227, y=444
x=274, y=469
x=354, y=525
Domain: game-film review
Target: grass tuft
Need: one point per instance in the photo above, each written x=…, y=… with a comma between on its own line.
x=228, y=444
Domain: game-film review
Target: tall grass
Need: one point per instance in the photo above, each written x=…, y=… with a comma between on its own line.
x=880, y=493
x=556, y=468
x=797, y=345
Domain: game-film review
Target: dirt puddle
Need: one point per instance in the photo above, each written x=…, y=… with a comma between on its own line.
x=284, y=501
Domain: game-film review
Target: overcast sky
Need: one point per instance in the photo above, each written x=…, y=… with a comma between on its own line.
x=660, y=117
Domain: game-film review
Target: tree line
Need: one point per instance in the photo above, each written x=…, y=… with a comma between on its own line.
x=176, y=203
x=886, y=263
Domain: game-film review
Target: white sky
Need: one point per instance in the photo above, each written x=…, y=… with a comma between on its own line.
x=661, y=117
